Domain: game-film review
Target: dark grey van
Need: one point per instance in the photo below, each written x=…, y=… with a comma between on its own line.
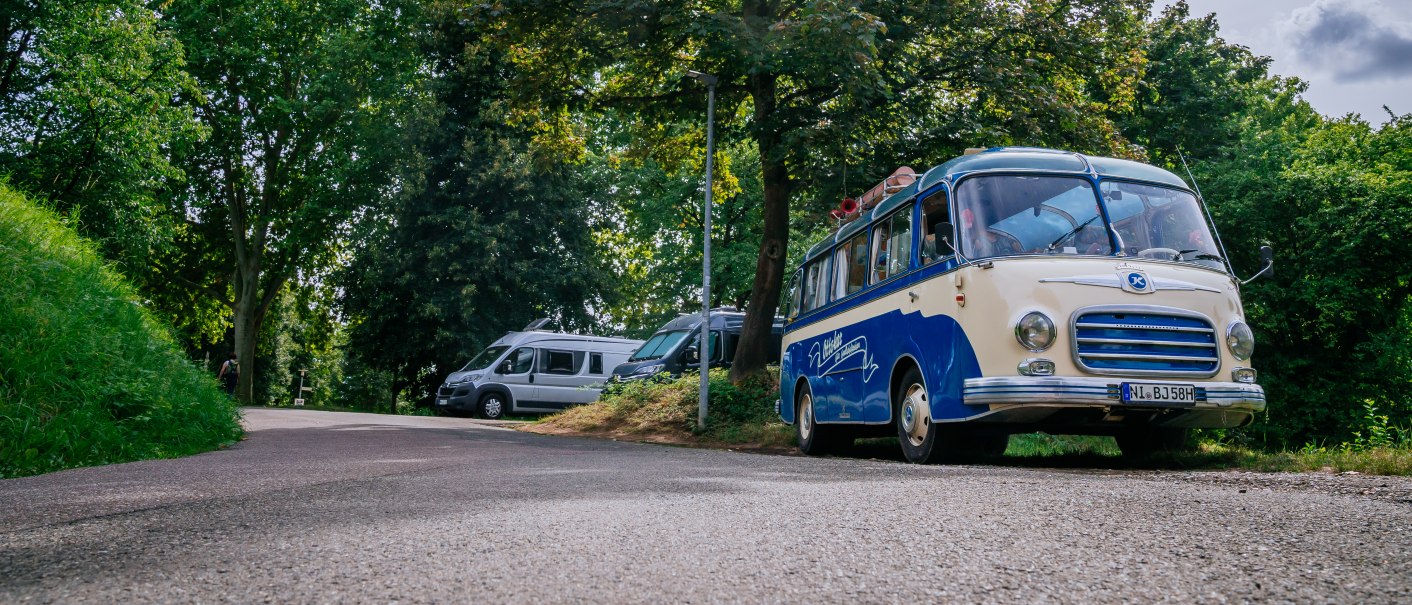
x=673, y=348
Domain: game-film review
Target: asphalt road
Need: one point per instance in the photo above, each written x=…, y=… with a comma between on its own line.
x=335, y=508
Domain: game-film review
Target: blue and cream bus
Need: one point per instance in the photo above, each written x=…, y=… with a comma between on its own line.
x=1015, y=290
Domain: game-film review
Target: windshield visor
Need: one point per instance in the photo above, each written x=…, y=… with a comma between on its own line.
x=660, y=344
x=1160, y=223
x=1008, y=215
x=485, y=358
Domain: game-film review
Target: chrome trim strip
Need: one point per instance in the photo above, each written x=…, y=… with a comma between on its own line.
x=1162, y=343
x=1100, y=326
x=1087, y=392
x=1149, y=357
x=1074, y=326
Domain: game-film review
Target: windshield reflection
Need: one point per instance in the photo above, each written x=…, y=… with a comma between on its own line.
x=1012, y=215
x=1160, y=223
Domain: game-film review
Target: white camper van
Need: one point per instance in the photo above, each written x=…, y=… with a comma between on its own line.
x=533, y=371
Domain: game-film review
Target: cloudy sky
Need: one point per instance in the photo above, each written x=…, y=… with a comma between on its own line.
x=1356, y=55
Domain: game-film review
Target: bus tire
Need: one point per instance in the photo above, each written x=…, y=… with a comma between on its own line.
x=814, y=440
x=1146, y=441
x=492, y=406
x=922, y=440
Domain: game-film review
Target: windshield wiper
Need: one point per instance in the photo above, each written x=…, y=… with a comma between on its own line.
x=1071, y=233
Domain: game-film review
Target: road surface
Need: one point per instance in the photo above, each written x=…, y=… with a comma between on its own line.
x=322, y=507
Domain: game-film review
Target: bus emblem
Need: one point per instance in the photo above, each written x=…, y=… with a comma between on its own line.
x=1137, y=282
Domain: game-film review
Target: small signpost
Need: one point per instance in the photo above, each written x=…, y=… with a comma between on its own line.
x=299, y=397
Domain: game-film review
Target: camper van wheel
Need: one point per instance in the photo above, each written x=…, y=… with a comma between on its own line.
x=922, y=440
x=492, y=406
x=814, y=440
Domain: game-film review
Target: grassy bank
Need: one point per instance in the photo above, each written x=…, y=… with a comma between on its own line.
x=86, y=375
x=665, y=412
x=744, y=418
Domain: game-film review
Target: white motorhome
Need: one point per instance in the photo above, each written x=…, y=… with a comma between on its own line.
x=533, y=371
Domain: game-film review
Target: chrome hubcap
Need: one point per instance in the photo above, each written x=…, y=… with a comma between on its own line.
x=806, y=417
x=916, y=415
x=492, y=406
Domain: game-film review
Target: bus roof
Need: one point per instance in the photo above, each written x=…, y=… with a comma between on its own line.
x=1004, y=159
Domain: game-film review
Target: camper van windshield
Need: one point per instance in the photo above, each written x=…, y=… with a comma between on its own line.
x=485, y=358
x=660, y=344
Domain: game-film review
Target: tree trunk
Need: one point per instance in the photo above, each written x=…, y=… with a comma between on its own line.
x=753, y=351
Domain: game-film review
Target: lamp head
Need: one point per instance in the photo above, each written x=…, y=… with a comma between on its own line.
x=706, y=79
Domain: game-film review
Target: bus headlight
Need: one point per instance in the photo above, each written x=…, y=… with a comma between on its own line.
x=1035, y=331
x=1240, y=340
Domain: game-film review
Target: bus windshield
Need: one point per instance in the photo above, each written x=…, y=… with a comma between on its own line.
x=660, y=344
x=1007, y=215
x=1160, y=223
x=485, y=358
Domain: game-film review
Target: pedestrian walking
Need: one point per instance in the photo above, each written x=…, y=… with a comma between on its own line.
x=230, y=374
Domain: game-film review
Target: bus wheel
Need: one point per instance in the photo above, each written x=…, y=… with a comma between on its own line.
x=814, y=440
x=492, y=406
x=916, y=432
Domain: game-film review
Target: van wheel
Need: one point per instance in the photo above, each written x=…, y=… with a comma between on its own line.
x=922, y=440
x=814, y=440
x=492, y=406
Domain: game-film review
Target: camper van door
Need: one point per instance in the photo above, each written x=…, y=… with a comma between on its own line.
x=518, y=375
x=561, y=380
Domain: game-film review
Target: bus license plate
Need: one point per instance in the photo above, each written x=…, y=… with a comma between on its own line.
x=441, y=402
x=1158, y=393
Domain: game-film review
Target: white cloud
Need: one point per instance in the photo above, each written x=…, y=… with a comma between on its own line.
x=1353, y=41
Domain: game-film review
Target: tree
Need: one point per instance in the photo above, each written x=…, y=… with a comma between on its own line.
x=1334, y=198
x=303, y=102
x=87, y=116
x=492, y=232
x=809, y=76
x=1195, y=90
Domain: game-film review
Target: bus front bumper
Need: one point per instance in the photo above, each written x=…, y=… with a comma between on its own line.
x=1027, y=400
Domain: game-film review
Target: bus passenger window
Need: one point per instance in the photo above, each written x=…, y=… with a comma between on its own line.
x=899, y=243
x=881, y=238
x=851, y=266
x=936, y=229
x=815, y=283
x=892, y=245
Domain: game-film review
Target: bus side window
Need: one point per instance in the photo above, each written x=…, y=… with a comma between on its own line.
x=814, y=283
x=892, y=245
x=936, y=229
x=791, y=296
x=851, y=266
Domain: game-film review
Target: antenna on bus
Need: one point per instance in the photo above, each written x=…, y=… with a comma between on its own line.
x=1225, y=258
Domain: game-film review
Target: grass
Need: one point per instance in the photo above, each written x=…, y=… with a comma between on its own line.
x=665, y=411
x=87, y=376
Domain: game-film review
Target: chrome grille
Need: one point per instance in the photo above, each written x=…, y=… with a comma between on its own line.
x=1144, y=341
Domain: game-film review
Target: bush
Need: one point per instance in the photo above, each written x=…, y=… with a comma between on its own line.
x=87, y=376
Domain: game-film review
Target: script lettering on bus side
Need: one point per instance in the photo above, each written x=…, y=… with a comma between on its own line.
x=830, y=353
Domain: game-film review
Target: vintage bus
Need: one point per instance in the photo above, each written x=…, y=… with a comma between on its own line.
x=1015, y=290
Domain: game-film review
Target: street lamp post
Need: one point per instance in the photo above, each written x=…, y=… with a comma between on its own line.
x=704, y=351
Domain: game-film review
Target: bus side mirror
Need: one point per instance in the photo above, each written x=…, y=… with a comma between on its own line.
x=1267, y=264
x=690, y=355
x=943, y=231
